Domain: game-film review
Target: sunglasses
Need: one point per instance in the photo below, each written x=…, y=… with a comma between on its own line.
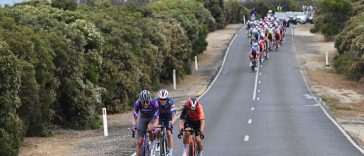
x=163, y=99
x=145, y=102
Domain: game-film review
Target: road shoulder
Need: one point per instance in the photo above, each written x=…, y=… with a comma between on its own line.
x=343, y=98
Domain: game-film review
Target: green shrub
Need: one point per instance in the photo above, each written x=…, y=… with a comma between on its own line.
x=340, y=9
x=356, y=71
x=64, y=4
x=10, y=127
x=342, y=63
x=235, y=12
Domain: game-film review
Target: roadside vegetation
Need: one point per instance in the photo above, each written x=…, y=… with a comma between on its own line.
x=347, y=29
x=60, y=63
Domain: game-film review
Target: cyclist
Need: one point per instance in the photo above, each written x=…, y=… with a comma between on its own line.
x=261, y=43
x=167, y=116
x=254, y=35
x=192, y=116
x=254, y=52
x=277, y=35
x=148, y=110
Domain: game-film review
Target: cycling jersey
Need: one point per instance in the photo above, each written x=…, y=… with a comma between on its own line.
x=167, y=108
x=192, y=115
x=255, y=47
x=149, y=112
x=261, y=45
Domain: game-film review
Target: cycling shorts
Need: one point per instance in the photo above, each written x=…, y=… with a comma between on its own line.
x=143, y=125
x=164, y=119
x=195, y=125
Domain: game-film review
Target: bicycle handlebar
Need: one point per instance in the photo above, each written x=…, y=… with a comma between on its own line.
x=133, y=131
x=190, y=130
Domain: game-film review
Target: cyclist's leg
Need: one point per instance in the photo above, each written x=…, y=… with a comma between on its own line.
x=142, y=127
x=138, y=146
x=152, y=136
x=169, y=134
x=196, y=126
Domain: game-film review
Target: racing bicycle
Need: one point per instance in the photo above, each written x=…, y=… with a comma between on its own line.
x=192, y=145
x=145, y=148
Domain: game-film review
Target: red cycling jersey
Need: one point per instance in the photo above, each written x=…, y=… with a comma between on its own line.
x=192, y=115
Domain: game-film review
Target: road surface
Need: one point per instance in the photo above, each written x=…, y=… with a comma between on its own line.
x=270, y=112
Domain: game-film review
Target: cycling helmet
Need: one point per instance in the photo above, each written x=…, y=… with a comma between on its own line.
x=144, y=96
x=193, y=102
x=270, y=11
x=163, y=94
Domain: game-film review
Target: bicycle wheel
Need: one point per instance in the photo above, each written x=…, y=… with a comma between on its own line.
x=162, y=147
x=146, y=149
x=253, y=66
x=192, y=150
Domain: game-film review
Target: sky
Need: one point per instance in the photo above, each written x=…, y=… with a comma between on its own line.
x=10, y=2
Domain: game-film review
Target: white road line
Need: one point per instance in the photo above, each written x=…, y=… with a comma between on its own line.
x=259, y=91
x=258, y=98
x=250, y=121
x=252, y=108
x=246, y=138
x=255, y=84
x=260, y=73
x=217, y=75
x=260, y=82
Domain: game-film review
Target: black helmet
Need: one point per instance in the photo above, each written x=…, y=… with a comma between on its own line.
x=144, y=96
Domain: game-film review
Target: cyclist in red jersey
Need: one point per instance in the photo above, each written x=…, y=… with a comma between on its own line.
x=192, y=116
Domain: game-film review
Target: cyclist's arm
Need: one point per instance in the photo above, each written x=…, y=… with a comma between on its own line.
x=182, y=119
x=135, y=113
x=202, y=118
x=202, y=128
x=156, y=114
x=173, y=111
x=174, y=118
x=133, y=121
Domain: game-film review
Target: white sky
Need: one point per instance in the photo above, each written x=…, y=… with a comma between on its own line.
x=10, y=2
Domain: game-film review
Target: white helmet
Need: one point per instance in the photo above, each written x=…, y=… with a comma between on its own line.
x=163, y=94
x=270, y=11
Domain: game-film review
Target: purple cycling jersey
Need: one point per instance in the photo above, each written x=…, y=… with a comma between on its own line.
x=149, y=112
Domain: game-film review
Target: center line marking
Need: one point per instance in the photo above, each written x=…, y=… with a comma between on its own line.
x=258, y=98
x=255, y=84
x=260, y=82
x=250, y=121
x=252, y=108
x=246, y=138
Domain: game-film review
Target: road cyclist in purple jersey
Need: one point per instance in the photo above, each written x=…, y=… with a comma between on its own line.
x=147, y=110
x=167, y=117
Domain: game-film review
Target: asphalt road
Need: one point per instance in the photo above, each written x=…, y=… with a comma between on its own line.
x=271, y=113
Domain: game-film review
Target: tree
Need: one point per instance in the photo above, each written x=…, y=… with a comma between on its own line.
x=340, y=9
x=64, y=4
x=10, y=127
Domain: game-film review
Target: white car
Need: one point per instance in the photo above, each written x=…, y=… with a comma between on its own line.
x=300, y=17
